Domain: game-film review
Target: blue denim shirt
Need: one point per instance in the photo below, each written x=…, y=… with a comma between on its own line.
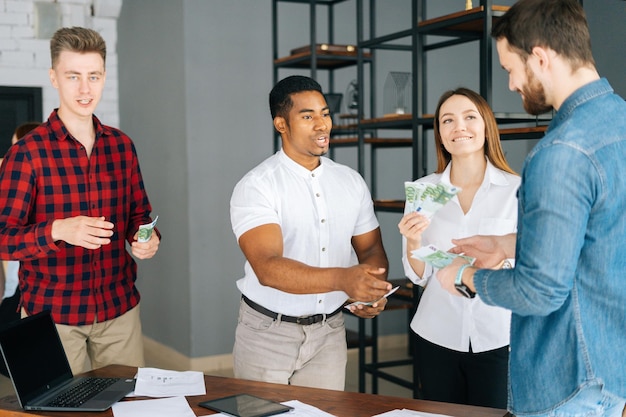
x=567, y=291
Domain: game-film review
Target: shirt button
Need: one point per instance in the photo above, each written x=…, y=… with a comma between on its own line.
x=319, y=302
x=323, y=249
x=317, y=194
x=323, y=220
x=312, y=174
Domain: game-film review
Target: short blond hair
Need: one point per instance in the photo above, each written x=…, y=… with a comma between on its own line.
x=76, y=39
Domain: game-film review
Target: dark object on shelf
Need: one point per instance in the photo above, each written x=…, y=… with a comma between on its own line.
x=334, y=102
x=324, y=48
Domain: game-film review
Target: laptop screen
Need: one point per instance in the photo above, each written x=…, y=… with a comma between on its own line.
x=34, y=356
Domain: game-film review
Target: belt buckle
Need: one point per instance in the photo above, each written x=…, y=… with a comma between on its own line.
x=305, y=321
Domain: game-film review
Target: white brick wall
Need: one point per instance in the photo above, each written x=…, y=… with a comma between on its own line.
x=25, y=59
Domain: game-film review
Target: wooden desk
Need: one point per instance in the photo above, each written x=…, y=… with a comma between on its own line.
x=338, y=403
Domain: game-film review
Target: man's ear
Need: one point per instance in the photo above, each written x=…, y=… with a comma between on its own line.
x=53, y=78
x=280, y=124
x=542, y=56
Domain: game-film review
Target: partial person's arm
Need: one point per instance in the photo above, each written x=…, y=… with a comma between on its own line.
x=411, y=227
x=489, y=251
x=140, y=214
x=263, y=248
x=3, y=281
x=19, y=240
x=369, y=250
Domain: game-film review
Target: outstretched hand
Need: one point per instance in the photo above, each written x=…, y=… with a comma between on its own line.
x=489, y=251
x=365, y=283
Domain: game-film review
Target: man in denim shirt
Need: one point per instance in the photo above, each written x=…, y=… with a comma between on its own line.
x=567, y=291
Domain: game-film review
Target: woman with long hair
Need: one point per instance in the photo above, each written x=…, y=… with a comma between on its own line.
x=462, y=344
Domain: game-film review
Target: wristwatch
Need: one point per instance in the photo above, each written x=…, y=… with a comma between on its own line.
x=460, y=286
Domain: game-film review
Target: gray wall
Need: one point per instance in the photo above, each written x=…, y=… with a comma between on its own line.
x=194, y=80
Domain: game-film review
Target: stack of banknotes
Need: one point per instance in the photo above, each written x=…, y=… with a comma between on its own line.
x=436, y=257
x=428, y=198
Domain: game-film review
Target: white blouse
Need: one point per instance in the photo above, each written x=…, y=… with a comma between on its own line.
x=452, y=321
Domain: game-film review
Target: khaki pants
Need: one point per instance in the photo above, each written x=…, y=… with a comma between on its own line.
x=116, y=341
x=288, y=353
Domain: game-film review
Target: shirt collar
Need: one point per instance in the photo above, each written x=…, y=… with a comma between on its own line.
x=57, y=127
x=582, y=95
x=492, y=175
x=299, y=169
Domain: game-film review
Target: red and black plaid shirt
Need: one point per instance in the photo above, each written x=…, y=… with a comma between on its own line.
x=47, y=175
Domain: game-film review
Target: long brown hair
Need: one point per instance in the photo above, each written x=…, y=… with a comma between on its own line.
x=493, y=147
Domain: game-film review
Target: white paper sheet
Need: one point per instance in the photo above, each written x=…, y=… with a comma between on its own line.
x=157, y=383
x=301, y=409
x=408, y=413
x=162, y=407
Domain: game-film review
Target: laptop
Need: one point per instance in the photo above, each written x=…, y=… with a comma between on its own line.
x=41, y=373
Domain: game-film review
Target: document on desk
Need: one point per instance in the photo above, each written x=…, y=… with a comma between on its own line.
x=301, y=409
x=408, y=413
x=157, y=383
x=161, y=407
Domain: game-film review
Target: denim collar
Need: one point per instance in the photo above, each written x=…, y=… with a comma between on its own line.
x=582, y=95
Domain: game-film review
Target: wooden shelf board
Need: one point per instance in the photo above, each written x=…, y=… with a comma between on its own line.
x=390, y=118
x=390, y=141
x=468, y=24
x=348, y=126
x=535, y=132
x=325, y=60
x=343, y=141
x=389, y=205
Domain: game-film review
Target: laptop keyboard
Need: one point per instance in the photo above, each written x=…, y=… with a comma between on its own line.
x=79, y=394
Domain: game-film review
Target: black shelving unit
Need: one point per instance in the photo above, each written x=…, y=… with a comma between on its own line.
x=460, y=27
x=463, y=26
x=345, y=135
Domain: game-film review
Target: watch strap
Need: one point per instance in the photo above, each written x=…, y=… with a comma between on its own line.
x=460, y=286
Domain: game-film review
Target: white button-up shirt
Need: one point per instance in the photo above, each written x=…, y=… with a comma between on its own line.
x=451, y=321
x=318, y=211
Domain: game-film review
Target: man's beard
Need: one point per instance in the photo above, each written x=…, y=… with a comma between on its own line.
x=534, y=95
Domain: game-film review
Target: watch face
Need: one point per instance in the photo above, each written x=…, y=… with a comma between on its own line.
x=466, y=292
x=506, y=264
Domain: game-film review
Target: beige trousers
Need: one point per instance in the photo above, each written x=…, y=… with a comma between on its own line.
x=116, y=341
x=287, y=353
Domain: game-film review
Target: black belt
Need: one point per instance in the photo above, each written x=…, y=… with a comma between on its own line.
x=305, y=321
